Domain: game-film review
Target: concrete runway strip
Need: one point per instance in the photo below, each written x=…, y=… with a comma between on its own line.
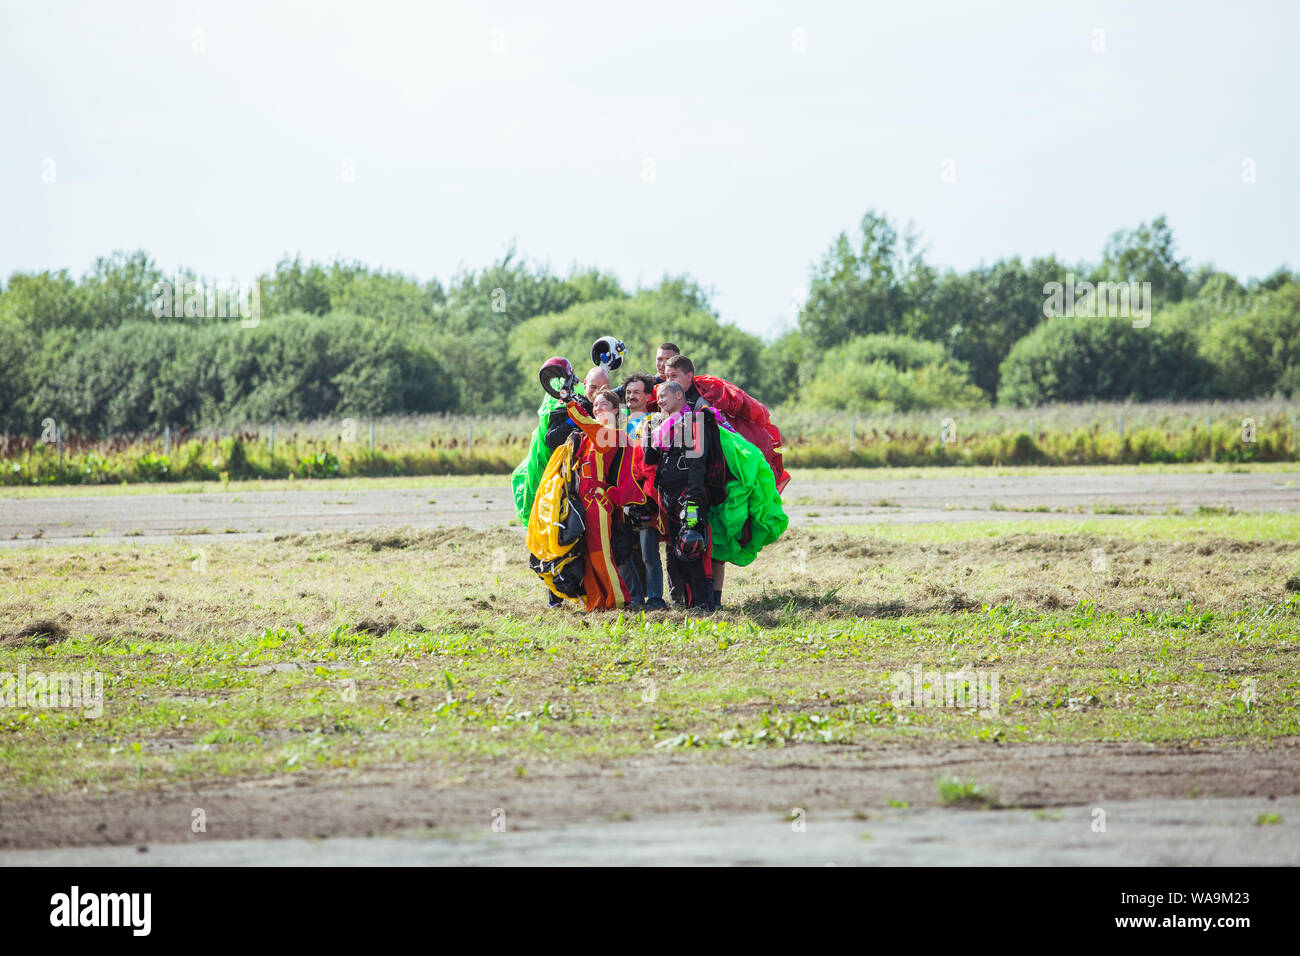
x=165, y=516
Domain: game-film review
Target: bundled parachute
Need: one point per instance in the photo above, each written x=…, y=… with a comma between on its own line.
x=751, y=516
x=556, y=527
x=750, y=418
x=528, y=474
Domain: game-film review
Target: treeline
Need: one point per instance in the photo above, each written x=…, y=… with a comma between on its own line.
x=882, y=330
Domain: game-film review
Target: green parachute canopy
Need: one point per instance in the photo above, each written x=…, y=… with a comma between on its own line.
x=751, y=497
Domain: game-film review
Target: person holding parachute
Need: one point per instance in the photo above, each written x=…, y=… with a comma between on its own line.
x=589, y=481
x=692, y=471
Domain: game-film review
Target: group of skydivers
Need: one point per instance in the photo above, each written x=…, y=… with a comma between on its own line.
x=679, y=457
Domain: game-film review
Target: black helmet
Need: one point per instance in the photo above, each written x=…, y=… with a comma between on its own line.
x=688, y=545
x=642, y=515
x=607, y=352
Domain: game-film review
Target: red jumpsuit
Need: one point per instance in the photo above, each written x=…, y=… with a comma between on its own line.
x=605, y=484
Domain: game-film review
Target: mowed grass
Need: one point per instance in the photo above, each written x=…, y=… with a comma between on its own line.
x=314, y=656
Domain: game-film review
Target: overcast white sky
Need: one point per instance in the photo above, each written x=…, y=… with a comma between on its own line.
x=469, y=124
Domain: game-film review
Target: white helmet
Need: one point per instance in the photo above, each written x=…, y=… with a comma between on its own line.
x=607, y=352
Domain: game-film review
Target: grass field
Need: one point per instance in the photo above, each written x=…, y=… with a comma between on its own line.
x=1059, y=435
x=308, y=656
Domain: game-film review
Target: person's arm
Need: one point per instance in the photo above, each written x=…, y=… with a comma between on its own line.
x=604, y=437
x=651, y=454
x=624, y=490
x=697, y=464
x=558, y=427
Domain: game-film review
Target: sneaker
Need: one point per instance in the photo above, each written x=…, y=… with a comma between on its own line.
x=656, y=604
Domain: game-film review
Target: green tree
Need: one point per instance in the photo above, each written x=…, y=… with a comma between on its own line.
x=120, y=288
x=294, y=287
x=1146, y=254
x=46, y=300
x=886, y=373
x=859, y=287
x=1070, y=359
x=1257, y=352
x=981, y=314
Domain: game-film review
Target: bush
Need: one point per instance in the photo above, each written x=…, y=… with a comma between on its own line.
x=885, y=373
x=143, y=375
x=1258, y=352
x=1068, y=359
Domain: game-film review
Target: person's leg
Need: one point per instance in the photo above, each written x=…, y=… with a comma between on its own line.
x=697, y=580
x=604, y=585
x=700, y=585
x=654, y=575
x=706, y=568
x=719, y=572
x=626, y=549
x=638, y=561
x=635, y=587
x=676, y=585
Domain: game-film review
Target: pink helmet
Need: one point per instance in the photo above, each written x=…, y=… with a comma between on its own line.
x=556, y=369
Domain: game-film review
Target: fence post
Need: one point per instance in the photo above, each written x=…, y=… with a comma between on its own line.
x=470, y=452
x=272, y=438
x=1119, y=420
x=1295, y=433
x=851, y=424
x=372, y=434
x=1033, y=432
x=1209, y=441
x=167, y=440
x=58, y=439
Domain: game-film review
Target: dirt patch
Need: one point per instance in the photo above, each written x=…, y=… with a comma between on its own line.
x=37, y=634
x=382, y=627
x=950, y=601
x=447, y=799
x=769, y=608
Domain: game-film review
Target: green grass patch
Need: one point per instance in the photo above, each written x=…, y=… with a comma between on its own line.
x=954, y=792
x=343, y=652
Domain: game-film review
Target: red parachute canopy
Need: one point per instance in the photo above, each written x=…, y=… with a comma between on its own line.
x=749, y=417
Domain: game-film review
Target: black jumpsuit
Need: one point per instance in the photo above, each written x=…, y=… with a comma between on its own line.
x=680, y=475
